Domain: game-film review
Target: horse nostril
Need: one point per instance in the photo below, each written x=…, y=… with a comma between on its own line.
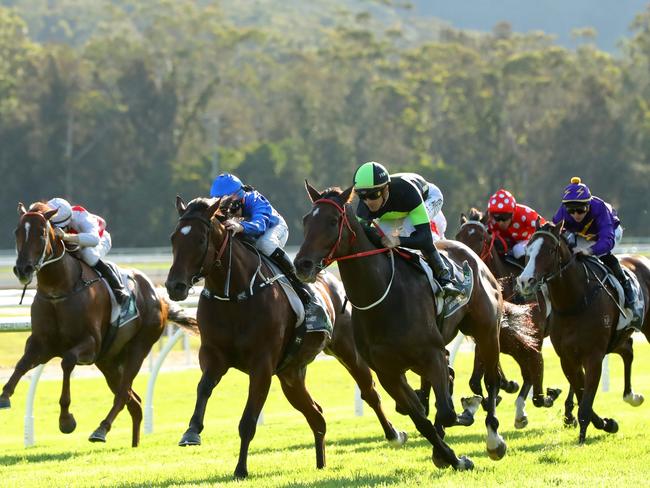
x=305, y=265
x=180, y=287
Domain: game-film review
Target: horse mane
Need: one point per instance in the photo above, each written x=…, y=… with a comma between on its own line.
x=198, y=206
x=39, y=207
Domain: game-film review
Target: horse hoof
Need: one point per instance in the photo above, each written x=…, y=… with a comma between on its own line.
x=67, y=424
x=521, y=422
x=191, y=438
x=240, y=474
x=98, y=436
x=399, y=441
x=471, y=404
x=570, y=422
x=464, y=464
x=5, y=403
x=511, y=387
x=632, y=398
x=610, y=426
x=553, y=393
x=439, y=462
x=497, y=453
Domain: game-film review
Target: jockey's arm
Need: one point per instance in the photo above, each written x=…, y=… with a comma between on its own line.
x=87, y=233
x=260, y=217
x=605, y=242
x=420, y=238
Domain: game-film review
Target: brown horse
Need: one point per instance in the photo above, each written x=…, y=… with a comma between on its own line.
x=394, y=316
x=70, y=319
x=254, y=332
x=583, y=315
x=526, y=351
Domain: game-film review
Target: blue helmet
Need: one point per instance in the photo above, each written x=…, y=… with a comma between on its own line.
x=226, y=184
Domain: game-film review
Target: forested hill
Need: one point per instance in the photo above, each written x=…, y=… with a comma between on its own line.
x=121, y=105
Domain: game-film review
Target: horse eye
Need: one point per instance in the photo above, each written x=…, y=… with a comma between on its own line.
x=334, y=222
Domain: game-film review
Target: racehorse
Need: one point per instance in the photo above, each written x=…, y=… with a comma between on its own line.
x=254, y=330
x=474, y=233
x=70, y=318
x=583, y=315
x=394, y=316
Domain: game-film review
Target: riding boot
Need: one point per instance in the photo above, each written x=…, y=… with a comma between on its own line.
x=441, y=272
x=614, y=265
x=114, y=281
x=283, y=261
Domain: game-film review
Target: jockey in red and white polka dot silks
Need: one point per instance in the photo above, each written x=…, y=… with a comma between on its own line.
x=513, y=222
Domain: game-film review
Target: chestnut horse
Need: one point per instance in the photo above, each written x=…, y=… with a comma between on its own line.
x=394, y=316
x=527, y=353
x=70, y=319
x=253, y=331
x=583, y=316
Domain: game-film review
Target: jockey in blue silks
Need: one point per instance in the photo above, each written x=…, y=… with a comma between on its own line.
x=253, y=216
x=593, y=219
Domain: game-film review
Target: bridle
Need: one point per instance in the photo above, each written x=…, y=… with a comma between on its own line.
x=44, y=260
x=556, y=250
x=206, y=268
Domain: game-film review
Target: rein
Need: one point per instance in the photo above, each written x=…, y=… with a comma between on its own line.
x=217, y=261
x=330, y=258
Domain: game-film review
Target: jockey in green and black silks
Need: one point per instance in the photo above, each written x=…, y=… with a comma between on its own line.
x=407, y=204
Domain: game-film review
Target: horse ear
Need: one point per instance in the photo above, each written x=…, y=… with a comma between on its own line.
x=21, y=209
x=214, y=208
x=538, y=223
x=313, y=193
x=463, y=219
x=346, y=196
x=50, y=213
x=560, y=227
x=180, y=205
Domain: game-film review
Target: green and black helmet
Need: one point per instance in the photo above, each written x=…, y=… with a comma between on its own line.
x=370, y=176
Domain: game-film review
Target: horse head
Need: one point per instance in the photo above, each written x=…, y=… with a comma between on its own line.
x=473, y=232
x=35, y=240
x=547, y=256
x=195, y=244
x=327, y=231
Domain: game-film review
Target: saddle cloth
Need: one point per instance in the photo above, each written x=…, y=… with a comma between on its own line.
x=129, y=311
x=463, y=279
x=323, y=301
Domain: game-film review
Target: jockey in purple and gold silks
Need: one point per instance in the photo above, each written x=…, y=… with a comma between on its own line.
x=593, y=219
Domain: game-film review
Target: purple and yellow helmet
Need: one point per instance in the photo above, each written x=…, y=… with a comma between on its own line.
x=576, y=192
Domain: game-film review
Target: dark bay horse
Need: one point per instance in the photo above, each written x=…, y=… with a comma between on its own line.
x=253, y=334
x=394, y=317
x=583, y=315
x=527, y=351
x=70, y=318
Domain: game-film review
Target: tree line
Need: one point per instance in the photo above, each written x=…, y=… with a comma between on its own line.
x=124, y=104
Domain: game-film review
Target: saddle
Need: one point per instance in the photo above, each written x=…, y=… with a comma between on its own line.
x=462, y=279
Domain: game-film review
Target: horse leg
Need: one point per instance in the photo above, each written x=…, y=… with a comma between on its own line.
x=362, y=375
x=573, y=371
x=521, y=419
x=213, y=370
x=126, y=367
x=496, y=446
x=293, y=386
x=442, y=455
x=34, y=355
x=477, y=374
x=586, y=414
x=626, y=352
x=83, y=352
x=258, y=389
x=569, y=419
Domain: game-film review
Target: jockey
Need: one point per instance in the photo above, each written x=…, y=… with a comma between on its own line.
x=593, y=219
x=512, y=222
x=407, y=204
x=75, y=225
x=253, y=216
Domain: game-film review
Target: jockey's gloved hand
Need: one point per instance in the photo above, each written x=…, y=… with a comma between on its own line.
x=390, y=241
x=584, y=251
x=59, y=233
x=233, y=226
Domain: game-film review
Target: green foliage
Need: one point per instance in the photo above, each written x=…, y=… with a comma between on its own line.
x=120, y=105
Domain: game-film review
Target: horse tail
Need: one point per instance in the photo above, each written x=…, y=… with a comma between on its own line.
x=517, y=322
x=178, y=315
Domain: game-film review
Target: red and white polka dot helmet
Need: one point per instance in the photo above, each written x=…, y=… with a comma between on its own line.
x=502, y=202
